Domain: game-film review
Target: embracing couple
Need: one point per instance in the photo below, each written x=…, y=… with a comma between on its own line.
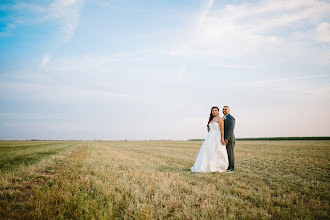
x=217, y=151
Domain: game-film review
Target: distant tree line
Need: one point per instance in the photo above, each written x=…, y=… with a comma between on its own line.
x=276, y=139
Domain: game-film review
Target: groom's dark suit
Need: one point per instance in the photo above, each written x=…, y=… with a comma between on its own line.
x=229, y=135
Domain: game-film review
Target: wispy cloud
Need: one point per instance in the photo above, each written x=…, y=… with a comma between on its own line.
x=44, y=91
x=18, y=5
x=57, y=92
x=68, y=13
x=269, y=82
x=7, y=30
x=45, y=60
x=235, y=66
x=84, y=62
x=182, y=70
x=258, y=29
x=207, y=5
x=31, y=116
x=65, y=12
x=22, y=13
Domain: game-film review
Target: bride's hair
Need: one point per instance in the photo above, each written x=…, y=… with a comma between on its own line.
x=211, y=116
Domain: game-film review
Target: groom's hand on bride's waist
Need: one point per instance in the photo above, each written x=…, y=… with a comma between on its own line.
x=226, y=141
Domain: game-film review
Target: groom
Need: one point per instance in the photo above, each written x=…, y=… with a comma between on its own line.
x=229, y=136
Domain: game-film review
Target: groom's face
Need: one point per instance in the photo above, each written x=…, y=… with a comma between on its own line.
x=225, y=110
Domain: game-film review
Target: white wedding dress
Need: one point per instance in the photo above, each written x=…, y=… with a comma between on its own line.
x=212, y=156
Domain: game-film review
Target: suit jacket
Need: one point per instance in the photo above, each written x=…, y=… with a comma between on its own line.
x=229, y=128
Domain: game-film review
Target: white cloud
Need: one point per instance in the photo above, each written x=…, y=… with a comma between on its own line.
x=323, y=32
x=68, y=13
x=263, y=28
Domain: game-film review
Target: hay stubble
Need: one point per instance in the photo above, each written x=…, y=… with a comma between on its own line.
x=148, y=180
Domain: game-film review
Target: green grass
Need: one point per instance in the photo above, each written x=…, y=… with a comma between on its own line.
x=150, y=180
x=15, y=153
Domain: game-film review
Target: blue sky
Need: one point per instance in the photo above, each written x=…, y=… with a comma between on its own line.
x=74, y=69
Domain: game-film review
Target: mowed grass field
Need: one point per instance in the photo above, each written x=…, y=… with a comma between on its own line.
x=152, y=180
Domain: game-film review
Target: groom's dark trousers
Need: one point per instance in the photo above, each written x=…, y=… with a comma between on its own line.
x=229, y=135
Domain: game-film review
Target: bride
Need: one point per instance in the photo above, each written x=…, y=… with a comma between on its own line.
x=212, y=156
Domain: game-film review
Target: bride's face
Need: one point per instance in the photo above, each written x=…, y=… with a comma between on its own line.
x=215, y=112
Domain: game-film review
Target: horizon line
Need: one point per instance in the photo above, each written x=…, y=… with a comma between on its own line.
x=96, y=139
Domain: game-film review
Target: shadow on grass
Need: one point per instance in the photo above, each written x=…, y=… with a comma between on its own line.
x=10, y=163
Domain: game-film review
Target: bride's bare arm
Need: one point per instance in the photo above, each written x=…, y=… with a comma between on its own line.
x=221, y=124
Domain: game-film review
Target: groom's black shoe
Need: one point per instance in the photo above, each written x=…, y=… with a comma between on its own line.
x=229, y=170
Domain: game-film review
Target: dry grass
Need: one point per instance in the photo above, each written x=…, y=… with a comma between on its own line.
x=152, y=180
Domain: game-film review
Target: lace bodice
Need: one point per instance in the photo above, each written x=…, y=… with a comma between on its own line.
x=214, y=126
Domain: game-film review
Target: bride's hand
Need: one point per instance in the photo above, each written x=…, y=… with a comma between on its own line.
x=223, y=142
